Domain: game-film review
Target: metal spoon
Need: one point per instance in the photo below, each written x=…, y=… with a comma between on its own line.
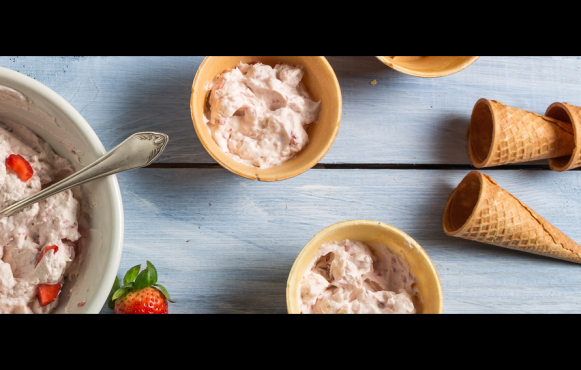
x=138, y=150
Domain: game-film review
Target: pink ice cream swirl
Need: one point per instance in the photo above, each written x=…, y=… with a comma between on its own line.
x=260, y=115
x=349, y=277
x=53, y=221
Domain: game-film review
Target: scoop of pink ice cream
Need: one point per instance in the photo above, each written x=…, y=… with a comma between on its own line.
x=53, y=221
x=350, y=277
x=259, y=115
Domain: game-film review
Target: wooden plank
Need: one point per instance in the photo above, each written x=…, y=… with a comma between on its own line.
x=405, y=119
x=121, y=96
x=401, y=120
x=223, y=244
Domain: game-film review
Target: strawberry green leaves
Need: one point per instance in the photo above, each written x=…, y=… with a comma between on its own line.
x=152, y=272
x=135, y=280
x=142, y=280
x=131, y=274
x=121, y=292
x=147, y=277
x=164, y=291
x=116, y=286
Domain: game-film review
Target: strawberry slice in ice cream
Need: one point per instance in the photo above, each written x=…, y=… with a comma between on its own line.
x=21, y=166
x=48, y=293
x=38, y=244
x=46, y=250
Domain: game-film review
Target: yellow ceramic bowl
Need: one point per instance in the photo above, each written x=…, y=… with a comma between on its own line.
x=372, y=232
x=428, y=66
x=322, y=85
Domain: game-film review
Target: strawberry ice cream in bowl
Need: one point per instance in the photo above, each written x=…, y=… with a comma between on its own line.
x=59, y=255
x=266, y=118
x=363, y=267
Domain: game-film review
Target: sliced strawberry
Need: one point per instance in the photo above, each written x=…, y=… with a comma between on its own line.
x=21, y=166
x=46, y=250
x=48, y=293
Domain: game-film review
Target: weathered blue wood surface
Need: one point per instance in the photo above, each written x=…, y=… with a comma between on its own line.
x=402, y=119
x=234, y=255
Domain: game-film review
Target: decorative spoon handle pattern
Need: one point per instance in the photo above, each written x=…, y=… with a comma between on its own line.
x=139, y=150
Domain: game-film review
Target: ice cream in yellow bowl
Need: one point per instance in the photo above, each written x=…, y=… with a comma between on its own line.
x=363, y=266
x=266, y=118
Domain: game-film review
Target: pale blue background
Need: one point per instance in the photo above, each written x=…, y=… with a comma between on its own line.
x=234, y=255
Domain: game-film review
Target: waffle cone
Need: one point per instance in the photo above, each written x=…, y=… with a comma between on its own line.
x=480, y=210
x=571, y=114
x=499, y=134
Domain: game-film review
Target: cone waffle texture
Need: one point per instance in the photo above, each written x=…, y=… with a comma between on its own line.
x=572, y=114
x=480, y=210
x=500, y=134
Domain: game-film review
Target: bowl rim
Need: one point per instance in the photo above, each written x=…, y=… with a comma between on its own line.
x=58, y=102
x=412, y=72
x=252, y=173
x=365, y=222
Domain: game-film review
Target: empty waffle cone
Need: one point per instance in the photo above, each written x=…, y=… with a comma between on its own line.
x=566, y=112
x=480, y=210
x=500, y=134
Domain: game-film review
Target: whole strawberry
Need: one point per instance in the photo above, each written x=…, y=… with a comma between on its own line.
x=145, y=301
x=142, y=296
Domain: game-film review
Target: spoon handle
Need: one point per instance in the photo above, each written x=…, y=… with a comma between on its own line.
x=138, y=150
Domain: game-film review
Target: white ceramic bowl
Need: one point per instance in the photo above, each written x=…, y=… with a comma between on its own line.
x=55, y=121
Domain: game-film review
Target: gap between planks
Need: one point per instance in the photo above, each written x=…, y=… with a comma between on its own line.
x=374, y=166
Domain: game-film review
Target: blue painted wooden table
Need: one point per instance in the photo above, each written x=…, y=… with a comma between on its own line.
x=223, y=244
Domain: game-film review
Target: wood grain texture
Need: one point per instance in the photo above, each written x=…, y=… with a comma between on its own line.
x=401, y=119
x=234, y=255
